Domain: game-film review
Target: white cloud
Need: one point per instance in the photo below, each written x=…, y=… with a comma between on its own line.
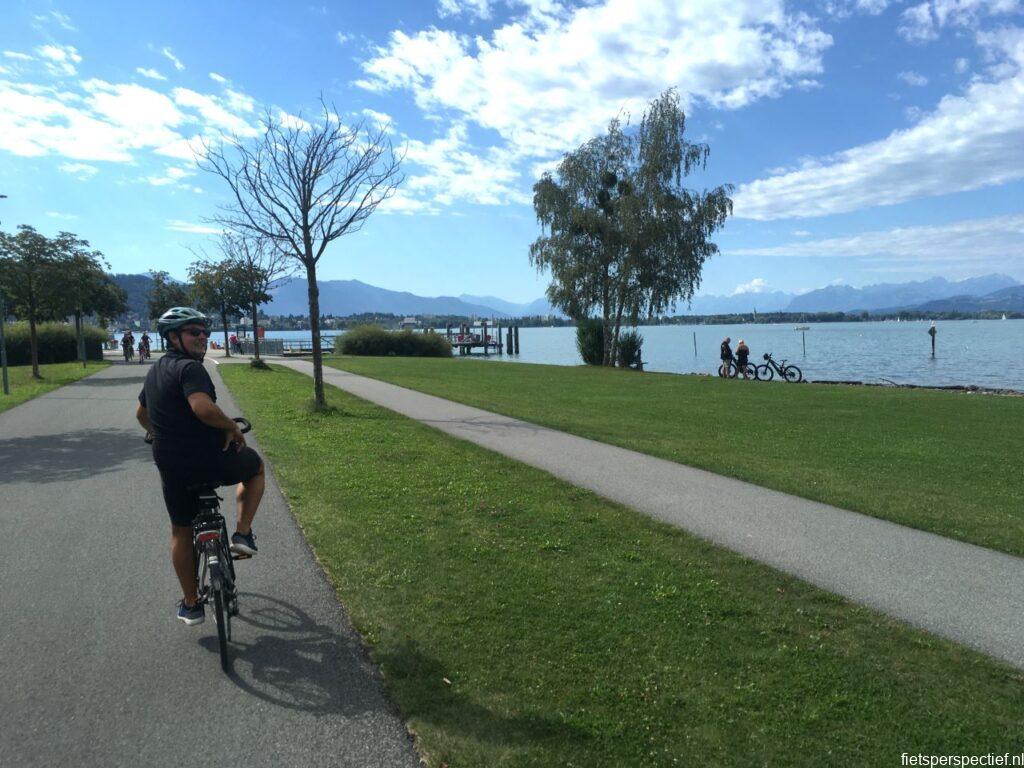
x=172, y=175
x=169, y=55
x=59, y=59
x=546, y=86
x=218, y=78
x=195, y=229
x=913, y=78
x=342, y=38
x=213, y=112
x=967, y=142
x=923, y=22
x=18, y=56
x=961, y=66
x=383, y=119
x=997, y=239
x=801, y=233
x=61, y=216
x=152, y=74
x=845, y=8
x=757, y=285
x=475, y=8
x=81, y=170
x=59, y=18
x=451, y=171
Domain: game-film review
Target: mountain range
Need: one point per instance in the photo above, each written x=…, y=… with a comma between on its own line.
x=995, y=292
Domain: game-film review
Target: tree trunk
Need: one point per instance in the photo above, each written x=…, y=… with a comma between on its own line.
x=224, y=325
x=314, y=326
x=605, y=314
x=79, y=341
x=255, y=335
x=33, y=344
x=615, y=337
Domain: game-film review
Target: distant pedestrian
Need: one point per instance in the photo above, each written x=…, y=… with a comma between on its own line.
x=233, y=343
x=742, y=354
x=726, y=358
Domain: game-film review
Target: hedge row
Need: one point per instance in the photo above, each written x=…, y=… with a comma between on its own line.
x=57, y=343
x=374, y=340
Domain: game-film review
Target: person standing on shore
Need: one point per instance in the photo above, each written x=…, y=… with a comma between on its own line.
x=726, y=358
x=742, y=355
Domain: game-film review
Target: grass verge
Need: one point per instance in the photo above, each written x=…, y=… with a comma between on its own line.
x=938, y=461
x=24, y=387
x=519, y=621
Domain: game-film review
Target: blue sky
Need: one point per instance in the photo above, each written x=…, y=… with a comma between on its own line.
x=869, y=140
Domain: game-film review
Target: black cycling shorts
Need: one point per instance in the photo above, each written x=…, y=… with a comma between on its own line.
x=228, y=467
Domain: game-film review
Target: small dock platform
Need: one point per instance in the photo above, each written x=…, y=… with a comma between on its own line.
x=485, y=339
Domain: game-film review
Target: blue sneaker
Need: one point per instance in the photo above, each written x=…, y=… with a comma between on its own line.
x=244, y=544
x=193, y=615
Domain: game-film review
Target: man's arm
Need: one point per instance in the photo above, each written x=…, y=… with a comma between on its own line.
x=211, y=415
x=142, y=416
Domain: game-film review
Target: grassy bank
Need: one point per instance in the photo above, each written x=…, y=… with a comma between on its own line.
x=24, y=387
x=519, y=621
x=939, y=461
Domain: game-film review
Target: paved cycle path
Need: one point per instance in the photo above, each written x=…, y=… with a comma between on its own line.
x=969, y=594
x=94, y=668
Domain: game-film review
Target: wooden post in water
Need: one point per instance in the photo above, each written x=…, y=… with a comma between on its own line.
x=931, y=332
x=803, y=335
x=515, y=338
x=497, y=336
x=483, y=336
x=694, y=343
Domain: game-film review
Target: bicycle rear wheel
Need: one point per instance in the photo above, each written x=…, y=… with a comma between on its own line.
x=764, y=373
x=792, y=374
x=223, y=623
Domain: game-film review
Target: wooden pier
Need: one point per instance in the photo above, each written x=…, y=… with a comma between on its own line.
x=485, y=339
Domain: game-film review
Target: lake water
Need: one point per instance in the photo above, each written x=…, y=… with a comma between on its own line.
x=987, y=353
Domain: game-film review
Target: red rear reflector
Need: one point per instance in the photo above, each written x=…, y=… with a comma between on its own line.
x=208, y=536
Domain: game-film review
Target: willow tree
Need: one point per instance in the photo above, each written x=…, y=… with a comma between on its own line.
x=620, y=232
x=302, y=186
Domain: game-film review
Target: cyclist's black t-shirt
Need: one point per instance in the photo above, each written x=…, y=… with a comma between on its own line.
x=726, y=351
x=179, y=437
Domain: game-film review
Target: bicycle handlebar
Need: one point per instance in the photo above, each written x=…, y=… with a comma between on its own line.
x=244, y=423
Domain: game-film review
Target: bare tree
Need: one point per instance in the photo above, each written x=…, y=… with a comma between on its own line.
x=302, y=186
x=256, y=264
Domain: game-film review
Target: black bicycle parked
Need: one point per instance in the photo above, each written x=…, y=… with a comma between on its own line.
x=767, y=371
x=730, y=370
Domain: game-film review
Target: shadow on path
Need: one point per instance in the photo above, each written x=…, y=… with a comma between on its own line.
x=294, y=662
x=112, y=381
x=70, y=455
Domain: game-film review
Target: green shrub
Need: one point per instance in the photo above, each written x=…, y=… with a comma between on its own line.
x=56, y=343
x=377, y=341
x=630, y=343
x=590, y=340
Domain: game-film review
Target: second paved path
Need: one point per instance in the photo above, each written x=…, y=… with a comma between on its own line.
x=957, y=590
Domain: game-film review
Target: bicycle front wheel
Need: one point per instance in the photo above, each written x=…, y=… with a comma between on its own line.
x=764, y=372
x=792, y=374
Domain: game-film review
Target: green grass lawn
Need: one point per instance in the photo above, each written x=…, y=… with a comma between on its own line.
x=944, y=462
x=520, y=621
x=24, y=387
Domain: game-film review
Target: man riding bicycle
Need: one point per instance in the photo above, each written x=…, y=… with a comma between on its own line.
x=144, y=345
x=194, y=442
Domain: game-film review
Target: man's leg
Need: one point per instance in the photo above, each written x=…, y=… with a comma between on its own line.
x=183, y=558
x=248, y=497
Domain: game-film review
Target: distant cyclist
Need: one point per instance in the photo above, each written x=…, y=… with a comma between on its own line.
x=144, y=344
x=195, y=442
x=128, y=345
x=742, y=355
